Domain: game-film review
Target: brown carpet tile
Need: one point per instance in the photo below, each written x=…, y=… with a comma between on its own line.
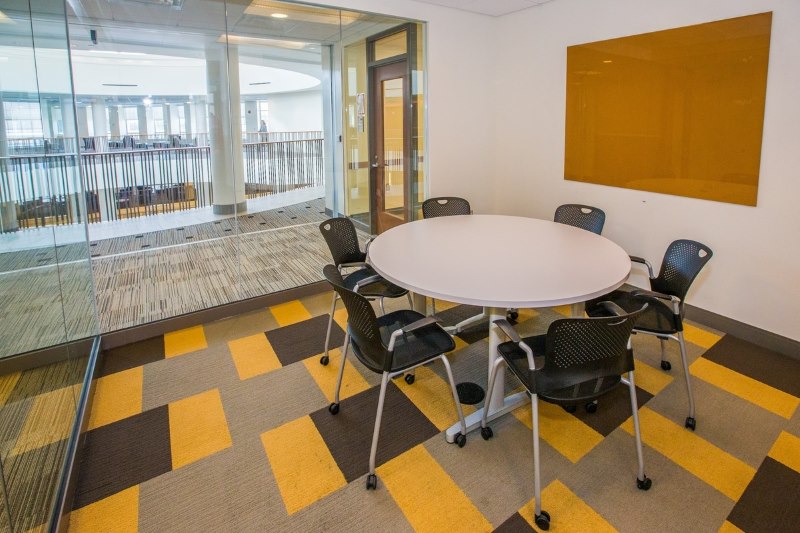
x=233, y=434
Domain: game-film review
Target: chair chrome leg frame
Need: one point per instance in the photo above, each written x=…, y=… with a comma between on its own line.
x=691, y=421
x=333, y=408
x=541, y=517
x=325, y=359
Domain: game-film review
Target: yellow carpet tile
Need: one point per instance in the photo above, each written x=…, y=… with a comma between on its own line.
x=118, y=513
x=429, y=498
x=197, y=428
x=290, y=313
x=769, y=398
x=117, y=396
x=326, y=375
x=302, y=465
x=713, y=465
x=787, y=450
x=567, y=434
x=253, y=356
x=184, y=341
x=567, y=511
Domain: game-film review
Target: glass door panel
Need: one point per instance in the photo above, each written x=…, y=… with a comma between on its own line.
x=389, y=157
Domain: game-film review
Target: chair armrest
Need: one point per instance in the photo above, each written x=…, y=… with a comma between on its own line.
x=612, y=308
x=366, y=244
x=418, y=324
x=506, y=327
x=676, y=302
x=642, y=260
x=357, y=265
x=367, y=281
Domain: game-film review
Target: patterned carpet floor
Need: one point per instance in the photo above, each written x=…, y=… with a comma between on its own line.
x=225, y=427
x=154, y=276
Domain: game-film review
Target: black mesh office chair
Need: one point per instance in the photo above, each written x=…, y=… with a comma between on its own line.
x=683, y=260
x=340, y=235
x=578, y=360
x=390, y=345
x=581, y=216
x=445, y=206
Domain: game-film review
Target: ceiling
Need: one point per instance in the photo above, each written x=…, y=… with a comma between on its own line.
x=494, y=8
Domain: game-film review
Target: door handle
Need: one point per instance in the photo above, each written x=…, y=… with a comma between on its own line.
x=375, y=163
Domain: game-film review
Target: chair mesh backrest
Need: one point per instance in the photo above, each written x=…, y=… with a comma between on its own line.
x=340, y=234
x=362, y=324
x=581, y=216
x=580, y=349
x=445, y=206
x=683, y=260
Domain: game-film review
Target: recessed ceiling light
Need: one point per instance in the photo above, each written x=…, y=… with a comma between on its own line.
x=280, y=15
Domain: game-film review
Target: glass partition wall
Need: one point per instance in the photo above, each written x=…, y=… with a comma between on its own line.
x=46, y=281
x=160, y=158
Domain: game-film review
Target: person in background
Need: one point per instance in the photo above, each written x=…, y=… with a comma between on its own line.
x=262, y=130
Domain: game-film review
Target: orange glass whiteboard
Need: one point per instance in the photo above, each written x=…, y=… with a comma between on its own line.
x=678, y=111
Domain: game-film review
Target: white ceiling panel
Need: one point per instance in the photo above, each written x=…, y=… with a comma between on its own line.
x=494, y=8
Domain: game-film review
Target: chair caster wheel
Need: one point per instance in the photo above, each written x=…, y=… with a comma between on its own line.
x=409, y=378
x=372, y=482
x=333, y=408
x=644, y=484
x=691, y=423
x=324, y=360
x=543, y=521
x=570, y=408
x=512, y=315
x=591, y=407
x=461, y=440
x=487, y=433
x=666, y=365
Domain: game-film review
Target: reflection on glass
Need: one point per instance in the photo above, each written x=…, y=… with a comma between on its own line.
x=391, y=46
x=678, y=111
x=356, y=139
x=393, y=173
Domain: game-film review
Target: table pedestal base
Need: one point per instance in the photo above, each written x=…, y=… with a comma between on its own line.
x=474, y=420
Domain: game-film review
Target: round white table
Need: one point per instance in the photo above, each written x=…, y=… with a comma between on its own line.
x=498, y=262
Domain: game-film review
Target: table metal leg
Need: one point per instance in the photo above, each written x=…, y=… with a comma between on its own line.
x=498, y=404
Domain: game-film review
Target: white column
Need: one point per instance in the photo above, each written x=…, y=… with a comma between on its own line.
x=251, y=117
x=225, y=129
x=187, y=119
x=141, y=113
x=113, y=121
x=99, y=119
x=168, y=120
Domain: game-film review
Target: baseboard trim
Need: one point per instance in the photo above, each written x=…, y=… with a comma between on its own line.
x=752, y=334
x=122, y=337
x=45, y=356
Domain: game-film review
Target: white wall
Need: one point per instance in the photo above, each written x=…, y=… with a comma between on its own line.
x=297, y=111
x=460, y=57
x=753, y=276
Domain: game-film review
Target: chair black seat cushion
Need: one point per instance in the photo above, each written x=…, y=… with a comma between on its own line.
x=657, y=318
x=415, y=347
x=580, y=393
x=381, y=288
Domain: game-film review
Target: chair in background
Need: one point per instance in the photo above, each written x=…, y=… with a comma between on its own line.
x=445, y=206
x=576, y=361
x=390, y=345
x=581, y=216
x=683, y=260
x=340, y=235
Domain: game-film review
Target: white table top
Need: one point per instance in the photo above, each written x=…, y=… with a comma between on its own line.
x=499, y=261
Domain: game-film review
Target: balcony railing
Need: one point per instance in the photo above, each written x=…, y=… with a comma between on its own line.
x=44, y=190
